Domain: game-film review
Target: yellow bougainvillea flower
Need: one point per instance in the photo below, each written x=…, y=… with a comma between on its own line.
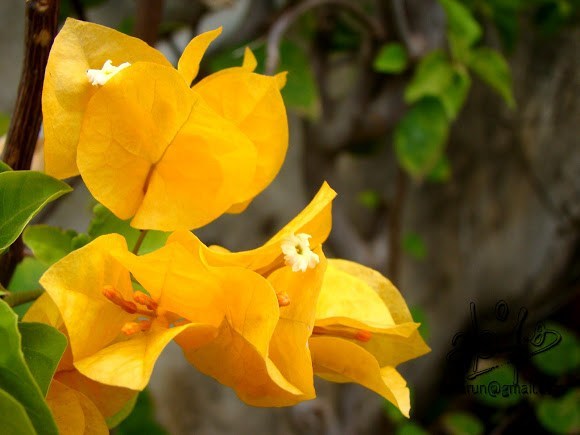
x=294, y=265
x=146, y=144
x=344, y=322
x=79, y=405
x=363, y=330
x=117, y=331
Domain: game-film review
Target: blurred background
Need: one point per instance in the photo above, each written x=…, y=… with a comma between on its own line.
x=449, y=129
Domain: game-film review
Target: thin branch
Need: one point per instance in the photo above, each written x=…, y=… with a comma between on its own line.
x=23, y=297
x=139, y=241
x=40, y=30
x=148, y=19
x=282, y=24
x=395, y=224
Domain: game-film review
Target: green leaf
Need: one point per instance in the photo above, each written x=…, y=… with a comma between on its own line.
x=561, y=359
x=561, y=415
x=432, y=77
x=420, y=137
x=369, y=199
x=410, y=428
x=120, y=416
x=441, y=172
x=105, y=222
x=462, y=423
x=142, y=419
x=504, y=15
x=25, y=278
x=43, y=347
x=22, y=195
x=454, y=95
x=494, y=70
x=300, y=93
x=437, y=77
x=4, y=167
x=49, y=244
x=414, y=245
x=392, y=58
x=4, y=123
x=13, y=417
x=15, y=377
x=463, y=31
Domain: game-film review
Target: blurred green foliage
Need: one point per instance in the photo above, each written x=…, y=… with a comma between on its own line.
x=142, y=418
x=563, y=358
x=392, y=58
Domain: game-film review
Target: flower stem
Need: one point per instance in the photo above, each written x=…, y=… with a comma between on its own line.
x=139, y=241
x=19, y=298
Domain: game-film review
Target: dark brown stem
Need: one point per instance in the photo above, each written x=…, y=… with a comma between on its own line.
x=282, y=24
x=395, y=224
x=139, y=242
x=147, y=20
x=40, y=30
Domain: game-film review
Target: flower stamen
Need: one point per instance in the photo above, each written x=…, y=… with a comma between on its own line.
x=146, y=300
x=130, y=307
x=98, y=77
x=297, y=252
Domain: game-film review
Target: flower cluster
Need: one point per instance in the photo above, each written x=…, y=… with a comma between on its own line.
x=173, y=157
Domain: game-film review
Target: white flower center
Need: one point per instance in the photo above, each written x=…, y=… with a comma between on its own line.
x=297, y=252
x=98, y=77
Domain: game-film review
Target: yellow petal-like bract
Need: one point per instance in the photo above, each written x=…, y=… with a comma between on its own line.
x=146, y=144
x=79, y=404
x=363, y=330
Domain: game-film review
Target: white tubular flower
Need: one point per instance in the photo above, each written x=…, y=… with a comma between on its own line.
x=297, y=252
x=98, y=77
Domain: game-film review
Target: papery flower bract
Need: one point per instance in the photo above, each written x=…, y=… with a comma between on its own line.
x=170, y=162
x=117, y=332
x=78, y=285
x=344, y=322
x=148, y=146
x=288, y=345
x=363, y=330
x=315, y=220
x=79, y=405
